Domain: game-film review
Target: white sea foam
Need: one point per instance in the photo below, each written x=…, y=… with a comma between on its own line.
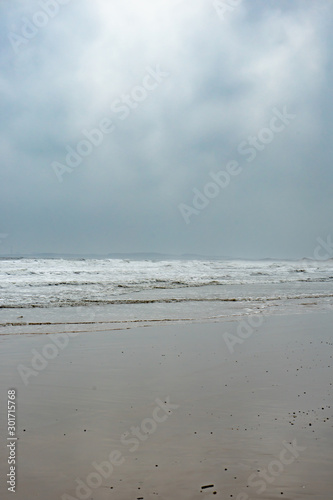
x=173, y=289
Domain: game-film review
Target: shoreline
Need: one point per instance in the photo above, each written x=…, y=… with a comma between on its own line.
x=45, y=321
x=234, y=412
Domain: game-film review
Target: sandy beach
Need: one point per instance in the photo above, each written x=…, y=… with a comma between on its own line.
x=173, y=412
x=166, y=250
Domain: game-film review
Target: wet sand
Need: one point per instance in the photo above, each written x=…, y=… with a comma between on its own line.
x=95, y=415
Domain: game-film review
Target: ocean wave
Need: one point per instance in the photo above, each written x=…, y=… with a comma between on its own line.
x=173, y=300
x=70, y=283
x=164, y=284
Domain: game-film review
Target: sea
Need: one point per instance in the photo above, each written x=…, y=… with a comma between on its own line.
x=52, y=295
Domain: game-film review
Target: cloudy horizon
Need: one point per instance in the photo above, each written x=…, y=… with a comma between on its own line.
x=198, y=127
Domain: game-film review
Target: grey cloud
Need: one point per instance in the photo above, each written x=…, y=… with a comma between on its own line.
x=225, y=77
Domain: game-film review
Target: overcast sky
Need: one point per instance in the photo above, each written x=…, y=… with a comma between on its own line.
x=181, y=92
